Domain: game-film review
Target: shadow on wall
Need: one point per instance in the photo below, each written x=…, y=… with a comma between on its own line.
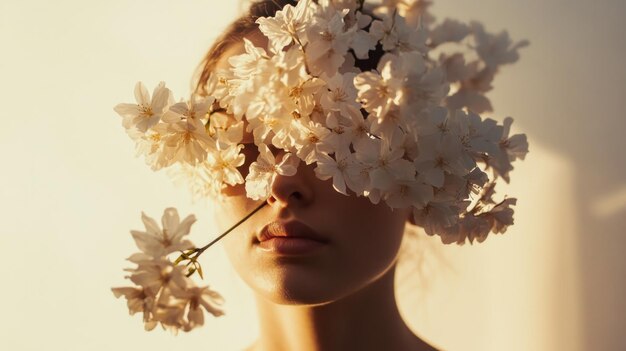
x=565, y=93
x=574, y=72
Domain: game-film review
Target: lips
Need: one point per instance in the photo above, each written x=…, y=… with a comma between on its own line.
x=289, y=239
x=288, y=230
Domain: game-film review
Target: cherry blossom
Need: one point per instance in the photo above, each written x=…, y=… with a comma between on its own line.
x=340, y=94
x=147, y=112
x=328, y=43
x=163, y=292
x=395, y=35
x=138, y=300
x=287, y=25
x=195, y=300
x=313, y=142
x=335, y=168
x=380, y=91
x=157, y=242
x=196, y=108
x=264, y=170
x=223, y=164
x=185, y=141
x=363, y=42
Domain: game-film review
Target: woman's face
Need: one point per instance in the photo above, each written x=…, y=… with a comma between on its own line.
x=356, y=241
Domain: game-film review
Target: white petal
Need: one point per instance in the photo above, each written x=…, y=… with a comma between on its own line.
x=339, y=183
x=160, y=99
x=147, y=243
x=170, y=219
x=181, y=108
x=151, y=225
x=265, y=155
x=127, y=110
x=289, y=165
x=183, y=228
x=141, y=94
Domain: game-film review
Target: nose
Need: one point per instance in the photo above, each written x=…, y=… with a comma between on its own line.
x=292, y=191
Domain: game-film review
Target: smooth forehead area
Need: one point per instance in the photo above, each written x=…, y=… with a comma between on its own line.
x=256, y=37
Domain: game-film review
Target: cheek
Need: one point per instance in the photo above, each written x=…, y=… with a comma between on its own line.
x=235, y=250
x=372, y=233
x=379, y=236
x=371, y=237
x=237, y=244
x=228, y=212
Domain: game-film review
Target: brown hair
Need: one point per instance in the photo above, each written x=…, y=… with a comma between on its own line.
x=246, y=24
x=234, y=34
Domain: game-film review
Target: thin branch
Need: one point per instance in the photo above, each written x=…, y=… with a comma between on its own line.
x=200, y=250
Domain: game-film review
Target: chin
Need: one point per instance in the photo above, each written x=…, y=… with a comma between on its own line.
x=293, y=286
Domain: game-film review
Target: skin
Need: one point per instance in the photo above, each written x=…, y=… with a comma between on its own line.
x=342, y=296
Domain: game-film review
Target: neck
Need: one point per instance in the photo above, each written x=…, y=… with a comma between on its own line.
x=365, y=320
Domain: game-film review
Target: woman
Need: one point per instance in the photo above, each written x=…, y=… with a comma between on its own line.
x=333, y=289
x=307, y=92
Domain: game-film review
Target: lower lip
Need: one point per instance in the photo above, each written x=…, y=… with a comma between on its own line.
x=290, y=246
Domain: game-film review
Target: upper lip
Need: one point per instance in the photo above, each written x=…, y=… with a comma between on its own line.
x=291, y=229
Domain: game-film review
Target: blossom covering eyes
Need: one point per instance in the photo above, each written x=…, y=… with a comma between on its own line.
x=408, y=133
x=397, y=134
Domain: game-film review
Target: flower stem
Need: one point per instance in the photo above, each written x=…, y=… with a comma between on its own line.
x=201, y=250
x=192, y=255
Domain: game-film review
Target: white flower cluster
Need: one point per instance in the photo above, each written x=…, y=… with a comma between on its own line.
x=397, y=134
x=162, y=291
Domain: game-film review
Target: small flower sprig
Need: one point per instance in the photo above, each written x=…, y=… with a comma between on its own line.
x=164, y=292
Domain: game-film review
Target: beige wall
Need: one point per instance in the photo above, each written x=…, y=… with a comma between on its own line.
x=71, y=188
x=567, y=94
